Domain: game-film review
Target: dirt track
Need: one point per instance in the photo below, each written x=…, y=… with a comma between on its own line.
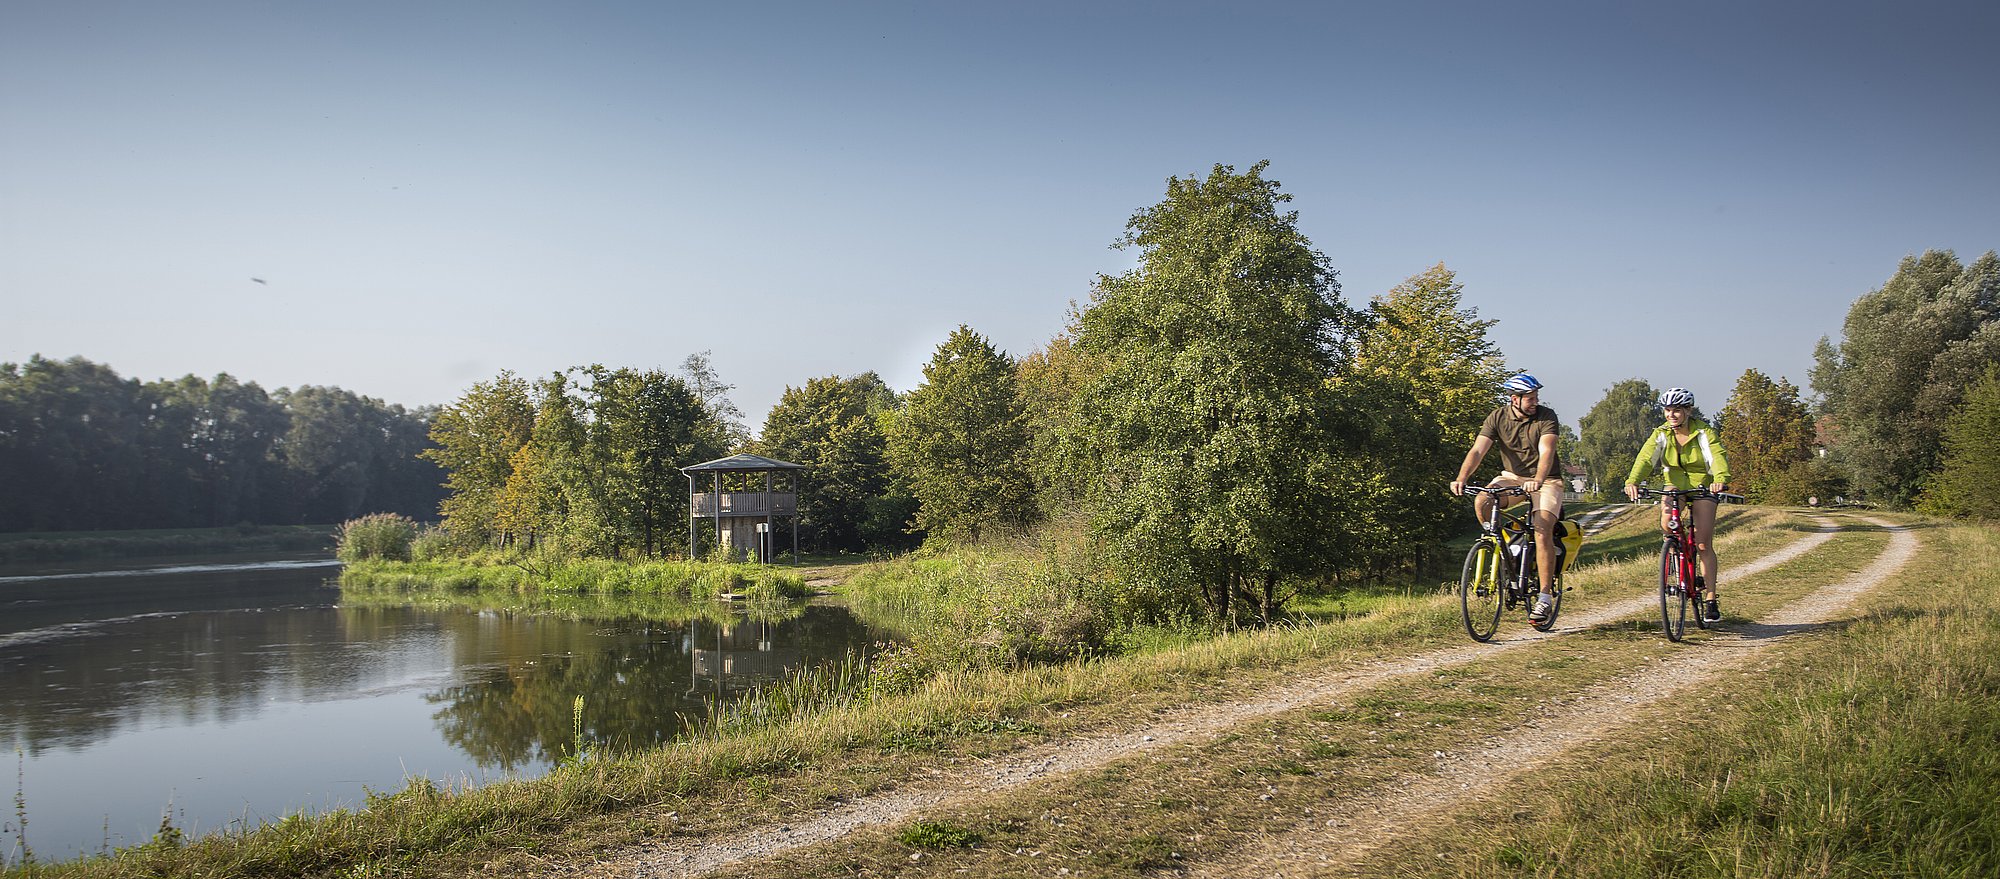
x=1323, y=844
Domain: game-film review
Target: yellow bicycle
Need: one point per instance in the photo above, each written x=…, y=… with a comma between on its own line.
x=1500, y=572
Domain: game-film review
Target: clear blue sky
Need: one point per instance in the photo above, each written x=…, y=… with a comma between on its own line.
x=434, y=192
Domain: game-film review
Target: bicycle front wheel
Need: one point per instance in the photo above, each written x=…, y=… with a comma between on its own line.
x=1673, y=593
x=1479, y=590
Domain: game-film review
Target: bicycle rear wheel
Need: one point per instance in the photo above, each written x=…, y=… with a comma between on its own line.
x=1673, y=594
x=1479, y=590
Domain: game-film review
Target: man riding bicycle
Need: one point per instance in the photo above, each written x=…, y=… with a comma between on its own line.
x=1688, y=453
x=1525, y=433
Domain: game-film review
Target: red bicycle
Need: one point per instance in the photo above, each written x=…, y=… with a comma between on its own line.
x=1677, y=559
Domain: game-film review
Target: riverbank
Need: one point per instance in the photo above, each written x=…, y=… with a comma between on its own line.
x=1183, y=758
x=33, y=548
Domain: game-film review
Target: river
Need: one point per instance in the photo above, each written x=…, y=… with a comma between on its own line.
x=235, y=692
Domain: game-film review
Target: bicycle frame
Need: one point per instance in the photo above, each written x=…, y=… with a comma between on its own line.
x=1500, y=570
x=1677, y=560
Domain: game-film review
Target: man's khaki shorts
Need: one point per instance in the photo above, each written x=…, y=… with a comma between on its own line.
x=1549, y=498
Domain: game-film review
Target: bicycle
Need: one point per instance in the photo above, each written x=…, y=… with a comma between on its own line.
x=1500, y=572
x=1677, y=560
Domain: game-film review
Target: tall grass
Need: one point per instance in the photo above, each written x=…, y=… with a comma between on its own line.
x=519, y=573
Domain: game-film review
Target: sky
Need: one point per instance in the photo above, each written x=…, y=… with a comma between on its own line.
x=402, y=199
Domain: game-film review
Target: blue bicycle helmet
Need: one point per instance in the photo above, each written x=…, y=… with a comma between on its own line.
x=1521, y=383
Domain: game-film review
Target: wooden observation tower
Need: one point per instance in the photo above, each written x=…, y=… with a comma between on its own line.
x=745, y=497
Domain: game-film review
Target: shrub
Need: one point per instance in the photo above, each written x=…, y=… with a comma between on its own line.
x=375, y=536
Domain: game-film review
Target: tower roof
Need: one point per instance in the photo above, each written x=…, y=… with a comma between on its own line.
x=742, y=463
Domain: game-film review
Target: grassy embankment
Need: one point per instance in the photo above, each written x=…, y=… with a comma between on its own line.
x=1870, y=749
x=45, y=547
x=758, y=774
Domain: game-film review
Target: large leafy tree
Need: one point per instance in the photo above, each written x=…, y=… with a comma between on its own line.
x=1207, y=422
x=1907, y=353
x=476, y=439
x=833, y=425
x=1968, y=482
x=1432, y=374
x=644, y=426
x=961, y=441
x=1609, y=435
x=1767, y=430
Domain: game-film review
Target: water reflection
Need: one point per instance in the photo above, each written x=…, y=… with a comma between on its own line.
x=244, y=695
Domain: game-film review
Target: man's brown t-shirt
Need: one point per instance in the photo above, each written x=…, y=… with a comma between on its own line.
x=1519, y=439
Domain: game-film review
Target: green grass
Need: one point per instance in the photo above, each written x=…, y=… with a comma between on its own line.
x=1870, y=749
x=1828, y=741
x=511, y=573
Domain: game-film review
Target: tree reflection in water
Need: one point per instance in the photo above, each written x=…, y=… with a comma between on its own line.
x=644, y=682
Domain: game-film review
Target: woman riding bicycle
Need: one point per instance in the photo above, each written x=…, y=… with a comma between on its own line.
x=1688, y=453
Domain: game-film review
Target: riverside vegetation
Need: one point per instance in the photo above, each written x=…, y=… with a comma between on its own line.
x=1219, y=476
x=1866, y=748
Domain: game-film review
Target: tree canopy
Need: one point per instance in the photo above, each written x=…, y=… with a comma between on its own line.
x=84, y=449
x=1767, y=430
x=1206, y=423
x=834, y=426
x=1609, y=435
x=960, y=443
x=1968, y=482
x=1908, y=352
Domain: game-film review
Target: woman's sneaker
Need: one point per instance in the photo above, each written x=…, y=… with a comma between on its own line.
x=1711, y=610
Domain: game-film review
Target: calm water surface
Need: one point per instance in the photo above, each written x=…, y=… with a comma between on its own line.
x=217, y=694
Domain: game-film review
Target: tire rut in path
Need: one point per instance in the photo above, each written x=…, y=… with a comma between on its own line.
x=701, y=855
x=1360, y=825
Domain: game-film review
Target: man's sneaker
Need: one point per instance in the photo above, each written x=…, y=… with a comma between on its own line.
x=1711, y=610
x=1541, y=611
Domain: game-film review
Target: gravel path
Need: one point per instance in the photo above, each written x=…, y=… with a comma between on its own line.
x=1358, y=826
x=697, y=856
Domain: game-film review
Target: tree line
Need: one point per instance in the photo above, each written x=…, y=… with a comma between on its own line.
x=1902, y=410
x=82, y=449
x=1219, y=421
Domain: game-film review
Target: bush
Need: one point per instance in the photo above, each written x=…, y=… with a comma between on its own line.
x=385, y=536
x=1813, y=478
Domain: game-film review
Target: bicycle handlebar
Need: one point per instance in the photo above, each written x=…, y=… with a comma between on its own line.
x=1496, y=491
x=1691, y=494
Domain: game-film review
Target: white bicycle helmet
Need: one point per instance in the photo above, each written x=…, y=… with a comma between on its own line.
x=1677, y=397
x=1521, y=383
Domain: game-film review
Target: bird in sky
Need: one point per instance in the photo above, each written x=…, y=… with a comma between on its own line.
x=260, y=281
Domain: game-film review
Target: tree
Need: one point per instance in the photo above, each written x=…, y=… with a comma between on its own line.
x=1049, y=382
x=1207, y=424
x=832, y=425
x=1610, y=434
x=476, y=440
x=1908, y=351
x=724, y=418
x=1766, y=429
x=643, y=427
x=1435, y=375
x=960, y=443
x=1968, y=483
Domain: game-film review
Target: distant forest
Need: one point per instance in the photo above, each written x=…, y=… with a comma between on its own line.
x=82, y=449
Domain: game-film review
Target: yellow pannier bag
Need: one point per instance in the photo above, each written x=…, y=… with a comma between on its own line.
x=1569, y=541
